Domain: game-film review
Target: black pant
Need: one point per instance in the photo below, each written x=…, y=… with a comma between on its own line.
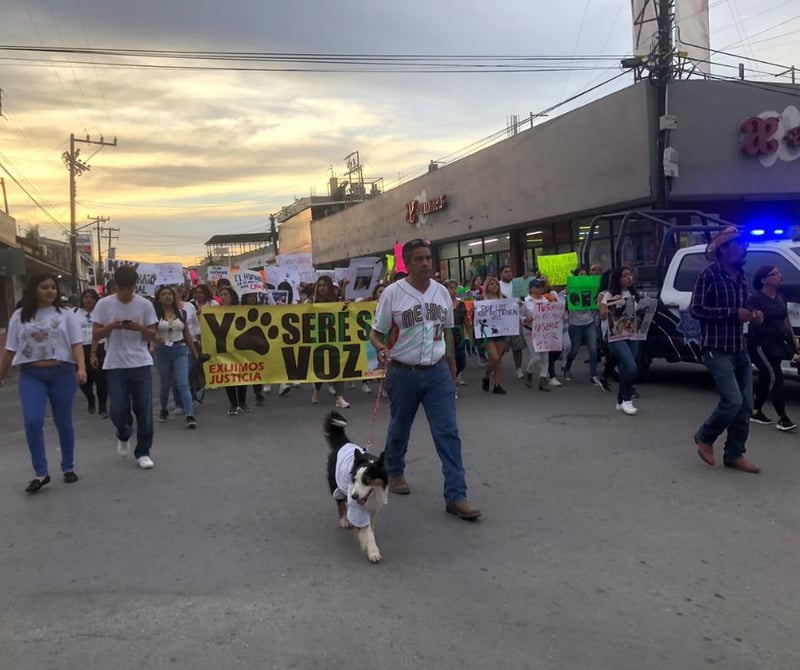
x=460, y=352
x=770, y=381
x=95, y=377
x=237, y=395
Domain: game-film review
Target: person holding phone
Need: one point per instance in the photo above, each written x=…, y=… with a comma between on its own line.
x=128, y=323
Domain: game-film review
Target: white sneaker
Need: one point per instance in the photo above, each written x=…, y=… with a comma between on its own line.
x=554, y=382
x=124, y=448
x=460, y=381
x=628, y=408
x=456, y=394
x=331, y=389
x=145, y=462
x=365, y=388
x=283, y=389
x=520, y=373
x=267, y=388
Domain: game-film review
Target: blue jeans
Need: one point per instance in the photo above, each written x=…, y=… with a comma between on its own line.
x=625, y=351
x=173, y=367
x=58, y=384
x=190, y=362
x=580, y=335
x=433, y=388
x=733, y=375
x=132, y=388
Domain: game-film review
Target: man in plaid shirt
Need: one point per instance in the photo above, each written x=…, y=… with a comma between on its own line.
x=720, y=303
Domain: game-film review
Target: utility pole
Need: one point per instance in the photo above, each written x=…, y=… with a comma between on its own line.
x=76, y=168
x=110, y=231
x=663, y=72
x=97, y=221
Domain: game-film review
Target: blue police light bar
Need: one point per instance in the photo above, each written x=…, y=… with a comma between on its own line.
x=758, y=232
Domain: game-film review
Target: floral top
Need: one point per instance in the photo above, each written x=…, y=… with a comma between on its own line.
x=48, y=336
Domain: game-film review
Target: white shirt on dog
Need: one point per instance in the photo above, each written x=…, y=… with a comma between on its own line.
x=358, y=515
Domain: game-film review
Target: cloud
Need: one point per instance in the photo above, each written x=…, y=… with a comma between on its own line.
x=201, y=152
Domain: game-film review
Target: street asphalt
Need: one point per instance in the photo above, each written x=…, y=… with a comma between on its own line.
x=605, y=542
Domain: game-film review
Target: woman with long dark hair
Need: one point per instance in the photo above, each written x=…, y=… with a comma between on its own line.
x=46, y=343
x=237, y=395
x=170, y=355
x=95, y=375
x=769, y=343
x=324, y=291
x=459, y=336
x=617, y=302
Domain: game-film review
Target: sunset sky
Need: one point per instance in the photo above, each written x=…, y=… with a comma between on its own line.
x=204, y=152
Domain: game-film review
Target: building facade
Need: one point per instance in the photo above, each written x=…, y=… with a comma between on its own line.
x=535, y=193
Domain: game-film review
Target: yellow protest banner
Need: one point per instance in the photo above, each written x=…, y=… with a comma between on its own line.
x=288, y=343
x=558, y=267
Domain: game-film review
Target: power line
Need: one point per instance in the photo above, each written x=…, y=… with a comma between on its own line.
x=34, y=200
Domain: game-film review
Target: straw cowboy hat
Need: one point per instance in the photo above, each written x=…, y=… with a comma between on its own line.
x=722, y=237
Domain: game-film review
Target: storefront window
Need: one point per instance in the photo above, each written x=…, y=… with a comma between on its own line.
x=538, y=242
x=602, y=247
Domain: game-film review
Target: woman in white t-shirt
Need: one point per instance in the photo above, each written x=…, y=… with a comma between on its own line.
x=96, y=376
x=536, y=288
x=618, y=309
x=46, y=343
x=170, y=352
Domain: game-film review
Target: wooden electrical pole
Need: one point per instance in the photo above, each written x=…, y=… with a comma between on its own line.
x=110, y=231
x=76, y=168
x=98, y=222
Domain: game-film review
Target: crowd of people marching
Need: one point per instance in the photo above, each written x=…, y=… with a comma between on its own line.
x=107, y=347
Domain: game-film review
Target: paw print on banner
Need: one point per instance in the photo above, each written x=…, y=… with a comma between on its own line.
x=253, y=339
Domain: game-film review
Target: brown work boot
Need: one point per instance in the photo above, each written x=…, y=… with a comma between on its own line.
x=399, y=485
x=744, y=465
x=704, y=451
x=463, y=510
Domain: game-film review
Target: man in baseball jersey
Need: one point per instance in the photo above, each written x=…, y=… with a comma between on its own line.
x=421, y=369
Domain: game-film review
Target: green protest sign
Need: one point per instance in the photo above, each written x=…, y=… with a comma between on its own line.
x=519, y=287
x=558, y=267
x=582, y=293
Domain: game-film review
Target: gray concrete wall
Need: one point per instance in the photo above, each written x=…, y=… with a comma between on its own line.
x=593, y=157
x=708, y=139
x=8, y=230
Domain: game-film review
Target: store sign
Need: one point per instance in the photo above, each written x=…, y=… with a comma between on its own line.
x=771, y=136
x=418, y=209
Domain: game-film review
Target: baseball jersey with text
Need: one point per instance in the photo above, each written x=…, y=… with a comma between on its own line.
x=420, y=319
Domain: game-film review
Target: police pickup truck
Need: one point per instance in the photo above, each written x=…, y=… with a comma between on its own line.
x=666, y=249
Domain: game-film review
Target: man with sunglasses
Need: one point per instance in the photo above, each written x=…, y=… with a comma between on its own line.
x=421, y=370
x=720, y=302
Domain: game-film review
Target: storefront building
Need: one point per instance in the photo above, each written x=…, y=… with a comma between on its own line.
x=736, y=152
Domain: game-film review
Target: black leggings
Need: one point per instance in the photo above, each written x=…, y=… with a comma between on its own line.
x=770, y=381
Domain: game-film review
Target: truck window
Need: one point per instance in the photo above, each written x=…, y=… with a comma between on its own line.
x=791, y=275
x=691, y=265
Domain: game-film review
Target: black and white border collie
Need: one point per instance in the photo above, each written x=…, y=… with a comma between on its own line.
x=357, y=480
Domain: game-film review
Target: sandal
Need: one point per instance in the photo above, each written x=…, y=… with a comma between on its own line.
x=35, y=484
